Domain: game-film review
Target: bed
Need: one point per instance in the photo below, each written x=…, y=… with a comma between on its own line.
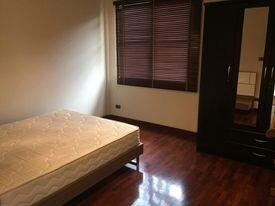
x=50, y=159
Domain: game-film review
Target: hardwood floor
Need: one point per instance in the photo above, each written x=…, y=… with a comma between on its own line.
x=173, y=173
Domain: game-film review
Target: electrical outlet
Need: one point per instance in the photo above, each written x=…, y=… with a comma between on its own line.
x=118, y=106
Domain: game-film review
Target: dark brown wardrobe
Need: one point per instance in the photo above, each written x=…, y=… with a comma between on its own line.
x=237, y=102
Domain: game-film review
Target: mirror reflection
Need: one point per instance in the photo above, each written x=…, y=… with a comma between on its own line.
x=272, y=122
x=251, y=66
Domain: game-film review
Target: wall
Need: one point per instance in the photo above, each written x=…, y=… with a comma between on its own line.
x=52, y=56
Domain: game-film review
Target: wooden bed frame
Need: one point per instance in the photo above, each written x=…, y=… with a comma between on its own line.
x=74, y=189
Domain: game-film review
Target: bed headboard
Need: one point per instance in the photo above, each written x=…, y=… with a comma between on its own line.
x=247, y=84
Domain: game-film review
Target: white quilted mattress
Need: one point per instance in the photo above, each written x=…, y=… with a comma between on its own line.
x=40, y=155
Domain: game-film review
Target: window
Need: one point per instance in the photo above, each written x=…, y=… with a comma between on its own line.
x=158, y=43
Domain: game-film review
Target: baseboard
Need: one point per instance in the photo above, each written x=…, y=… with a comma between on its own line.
x=144, y=124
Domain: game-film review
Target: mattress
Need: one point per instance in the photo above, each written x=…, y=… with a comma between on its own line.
x=40, y=155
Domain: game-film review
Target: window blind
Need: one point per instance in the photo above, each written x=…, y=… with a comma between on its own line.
x=158, y=43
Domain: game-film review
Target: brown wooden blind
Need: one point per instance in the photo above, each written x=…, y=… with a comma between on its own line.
x=158, y=43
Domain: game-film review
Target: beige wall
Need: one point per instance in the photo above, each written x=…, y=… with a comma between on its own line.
x=51, y=57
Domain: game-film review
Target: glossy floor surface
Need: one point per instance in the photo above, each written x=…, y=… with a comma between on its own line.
x=173, y=173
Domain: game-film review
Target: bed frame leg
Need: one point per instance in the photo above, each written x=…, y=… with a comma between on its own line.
x=138, y=163
x=134, y=162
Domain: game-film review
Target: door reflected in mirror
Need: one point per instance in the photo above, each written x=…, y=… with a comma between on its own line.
x=251, y=66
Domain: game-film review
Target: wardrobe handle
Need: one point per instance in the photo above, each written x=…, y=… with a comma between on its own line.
x=260, y=141
x=258, y=155
x=272, y=73
x=228, y=73
x=270, y=82
x=265, y=72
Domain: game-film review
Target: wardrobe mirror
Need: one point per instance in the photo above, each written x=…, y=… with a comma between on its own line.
x=251, y=66
x=272, y=119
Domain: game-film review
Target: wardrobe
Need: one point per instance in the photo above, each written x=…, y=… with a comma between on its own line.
x=237, y=102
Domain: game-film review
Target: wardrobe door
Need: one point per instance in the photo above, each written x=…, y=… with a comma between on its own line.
x=268, y=89
x=221, y=29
